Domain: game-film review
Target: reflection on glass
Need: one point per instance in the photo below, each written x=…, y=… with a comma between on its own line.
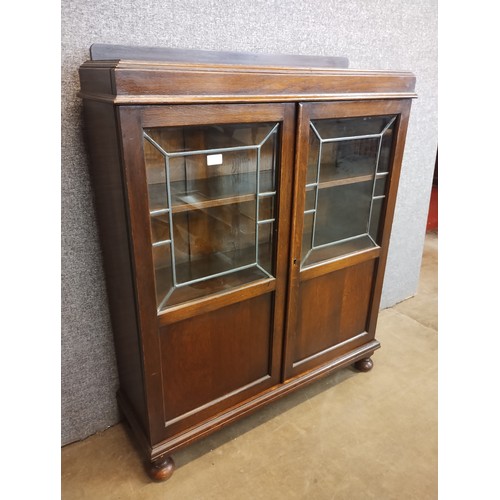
x=380, y=184
x=312, y=162
x=212, y=205
x=375, y=218
x=310, y=198
x=344, y=202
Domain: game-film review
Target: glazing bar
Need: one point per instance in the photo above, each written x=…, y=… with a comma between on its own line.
x=264, y=271
x=379, y=197
x=257, y=204
x=211, y=151
x=341, y=241
x=373, y=187
x=269, y=135
x=169, y=202
x=387, y=126
x=170, y=222
x=165, y=299
x=160, y=243
x=353, y=138
x=216, y=275
x=267, y=194
x=313, y=235
x=160, y=211
x=313, y=184
x=155, y=144
x=311, y=211
x=265, y=221
x=315, y=131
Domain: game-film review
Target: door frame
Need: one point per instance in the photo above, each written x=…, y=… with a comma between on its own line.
x=132, y=120
x=343, y=109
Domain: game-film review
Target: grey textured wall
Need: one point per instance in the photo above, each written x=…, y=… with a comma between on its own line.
x=375, y=34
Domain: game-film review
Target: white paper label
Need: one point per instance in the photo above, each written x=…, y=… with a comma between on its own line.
x=214, y=160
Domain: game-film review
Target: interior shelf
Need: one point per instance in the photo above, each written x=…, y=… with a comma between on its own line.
x=345, y=171
x=210, y=192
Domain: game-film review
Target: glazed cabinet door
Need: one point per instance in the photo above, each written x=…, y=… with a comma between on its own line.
x=209, y=189
x=347, y=162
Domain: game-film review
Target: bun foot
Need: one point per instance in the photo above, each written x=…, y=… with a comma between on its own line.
x=364, y=365
x=161, y=469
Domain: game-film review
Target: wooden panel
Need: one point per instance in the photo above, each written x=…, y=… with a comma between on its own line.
x=296, y=356
x=215, y=301
x=322, y=268
x=355, y=108
x=261, y=399
x=138, y=215
x=110, y=206
x=333, y=308
x=177, y=116
x=131, y=82
x=156, y=82
x=214, y=355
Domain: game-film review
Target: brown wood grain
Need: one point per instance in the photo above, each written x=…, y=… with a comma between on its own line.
x=211, y=359
x=138, y=214
x=108, y=187
x=155, y=83
x=387, y=215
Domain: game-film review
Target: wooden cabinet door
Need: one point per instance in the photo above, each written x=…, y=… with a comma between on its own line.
x=347, y=162
x=209, y=190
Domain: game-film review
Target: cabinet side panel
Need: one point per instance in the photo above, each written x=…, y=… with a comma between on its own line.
x=105, y=170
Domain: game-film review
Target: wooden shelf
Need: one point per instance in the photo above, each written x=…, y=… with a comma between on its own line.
x=347, y=173
x=344, y=181
x=210, y=192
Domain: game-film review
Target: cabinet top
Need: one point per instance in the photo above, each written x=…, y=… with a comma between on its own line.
x=154, y=75
x=108, y=52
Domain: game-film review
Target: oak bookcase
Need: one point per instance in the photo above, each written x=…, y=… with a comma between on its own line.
x=244, y=205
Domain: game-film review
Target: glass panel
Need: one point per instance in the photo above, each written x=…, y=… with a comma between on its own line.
x=214, y=240
x=342, y=212
x=347, y=159
x=266, y=246
x=162, y=262
x=307, y=235
x=375, y=218
x=200, y=289
x=268, y=162
x=312, y=161
x=352, y=151
x=380, y=183
x=351, y=127
x=195, y=185
x=386, y=149
x=195, y=138
x=341, y=248
x=156, y=179
x=310, y=198
x=160, y=228
x=266, y=208
x=204, y=184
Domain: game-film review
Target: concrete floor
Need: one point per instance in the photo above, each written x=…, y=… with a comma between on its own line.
x=351, y=436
